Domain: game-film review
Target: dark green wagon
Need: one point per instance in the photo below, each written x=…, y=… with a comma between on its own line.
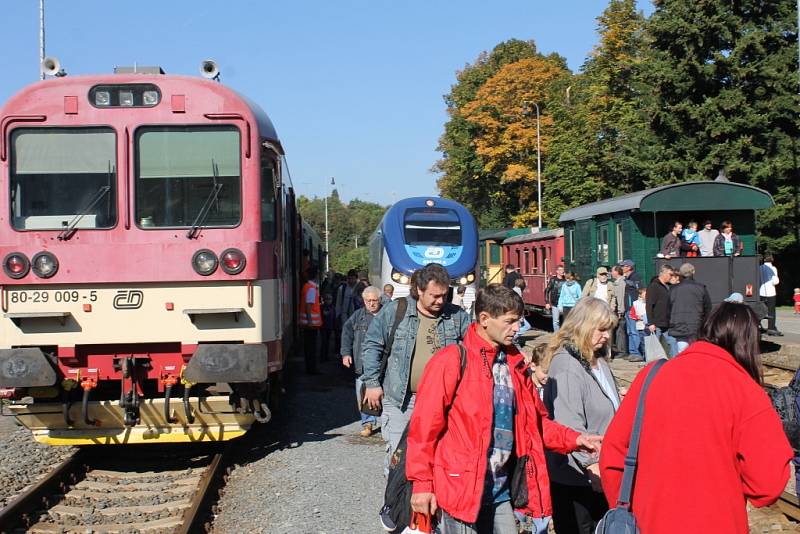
x=631, y=227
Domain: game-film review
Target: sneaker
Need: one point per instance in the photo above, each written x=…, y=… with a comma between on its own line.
x=366, y=430
x=386, y=519
x=775, y=333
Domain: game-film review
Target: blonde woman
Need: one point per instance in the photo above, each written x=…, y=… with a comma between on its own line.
x=581, y=393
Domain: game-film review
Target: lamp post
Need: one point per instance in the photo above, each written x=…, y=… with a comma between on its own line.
x=327, y=251
x=526, y=112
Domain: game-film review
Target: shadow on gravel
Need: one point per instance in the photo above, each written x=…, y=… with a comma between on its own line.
x=312, y=407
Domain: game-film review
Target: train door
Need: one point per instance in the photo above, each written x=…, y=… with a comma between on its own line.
x=270, y=253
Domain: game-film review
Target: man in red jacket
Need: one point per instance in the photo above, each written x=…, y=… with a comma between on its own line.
x=476, y=442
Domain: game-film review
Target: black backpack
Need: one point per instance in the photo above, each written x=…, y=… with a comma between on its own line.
x=786, y=401
x=395, y=514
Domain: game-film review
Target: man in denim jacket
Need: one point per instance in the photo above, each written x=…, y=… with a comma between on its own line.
x=429, y=324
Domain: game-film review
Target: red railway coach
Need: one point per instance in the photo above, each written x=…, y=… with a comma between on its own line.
x=536, y=256
x=150, y=245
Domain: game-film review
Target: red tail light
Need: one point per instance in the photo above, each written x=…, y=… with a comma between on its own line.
x=16, y=265
x=232, y=261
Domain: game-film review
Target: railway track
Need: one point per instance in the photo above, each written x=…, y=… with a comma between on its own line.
x=131, y=491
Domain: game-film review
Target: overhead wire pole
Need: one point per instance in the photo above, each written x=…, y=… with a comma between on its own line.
x=41, y=38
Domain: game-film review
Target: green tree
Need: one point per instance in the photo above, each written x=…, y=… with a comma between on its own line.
x=724, y=86
x=349, y=224
x=463, y=177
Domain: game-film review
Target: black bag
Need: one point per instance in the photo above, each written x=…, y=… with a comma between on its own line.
x=395, y=514
x=620, y=520
x=400, y=312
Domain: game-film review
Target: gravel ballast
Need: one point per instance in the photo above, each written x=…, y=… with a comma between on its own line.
x=308, y=471
x=23, y=461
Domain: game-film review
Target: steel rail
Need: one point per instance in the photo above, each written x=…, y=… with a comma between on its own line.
x=20, y=509
x=194, y=515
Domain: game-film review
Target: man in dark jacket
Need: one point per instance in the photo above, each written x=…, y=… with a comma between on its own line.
x=511, y=276
x=658, y=307
x=633, y=281
x=353, y=333
x=689, y=305
x=551, y=294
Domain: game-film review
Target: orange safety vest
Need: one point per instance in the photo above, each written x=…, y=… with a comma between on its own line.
x=316, y=314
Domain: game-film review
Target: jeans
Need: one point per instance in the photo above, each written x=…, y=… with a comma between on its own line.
x=576, y=509
x=365, y=417
x=394, y=420
x=492, y=519
x=556, y=318
x=633, y=335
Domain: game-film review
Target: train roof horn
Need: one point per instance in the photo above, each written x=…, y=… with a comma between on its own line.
x=51, y=66
x=209, y=69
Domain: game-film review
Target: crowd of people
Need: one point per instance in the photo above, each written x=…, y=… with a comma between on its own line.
x=502, y=441
x=690, y=242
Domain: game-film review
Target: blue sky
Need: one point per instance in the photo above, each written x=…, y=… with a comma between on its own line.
x=354, y=88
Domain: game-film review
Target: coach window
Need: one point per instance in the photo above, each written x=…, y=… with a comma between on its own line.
x=544, y=260
x=620, y=255
x=527, y=254
x=63, y=177
x=188, y=175
x=267, y=196
x=602, y=244
x=495, y=257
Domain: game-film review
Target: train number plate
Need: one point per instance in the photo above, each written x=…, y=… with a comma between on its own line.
x=49, y=296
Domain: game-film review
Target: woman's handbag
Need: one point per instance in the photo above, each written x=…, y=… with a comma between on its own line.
x=620, y=520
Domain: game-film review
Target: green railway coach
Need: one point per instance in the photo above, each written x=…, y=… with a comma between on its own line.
x=631, y=226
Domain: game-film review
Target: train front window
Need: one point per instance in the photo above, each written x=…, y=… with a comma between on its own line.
x=63, y=177
x=436, y=227
x=188, y=175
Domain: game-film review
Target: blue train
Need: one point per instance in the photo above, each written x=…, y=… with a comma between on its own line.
x=421, y=230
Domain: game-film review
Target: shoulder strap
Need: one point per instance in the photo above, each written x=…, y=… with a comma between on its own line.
x=629, y=473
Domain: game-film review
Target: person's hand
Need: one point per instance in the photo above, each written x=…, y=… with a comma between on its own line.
x=652, y=328
x=594, y=477
x=589, y=443
x=424, y=503
x=547, y=306
x=374, y=396
x=347, y=361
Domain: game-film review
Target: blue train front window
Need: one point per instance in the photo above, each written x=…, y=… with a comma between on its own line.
x=433, y=227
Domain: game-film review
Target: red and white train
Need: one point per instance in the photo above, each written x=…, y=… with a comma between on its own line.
x=536, y=256
x=150, y=250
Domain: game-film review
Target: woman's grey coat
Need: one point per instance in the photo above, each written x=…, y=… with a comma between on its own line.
x=575, y=399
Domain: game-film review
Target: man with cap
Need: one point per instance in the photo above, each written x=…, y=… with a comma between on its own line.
x=633, y=281
x=599, y=287
x=689, y=305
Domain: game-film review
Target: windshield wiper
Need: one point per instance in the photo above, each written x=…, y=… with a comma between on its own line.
x=67, y=232
x=205, y=209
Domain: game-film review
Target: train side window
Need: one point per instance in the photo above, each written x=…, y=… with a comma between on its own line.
x=527, y=254
x=519, y=260
x=536, y=258
x=268, y=204
x=620, y=255
x=572, y=244
x=494, y=254
x=63, y=176
x=602, y=244
x=544, y=260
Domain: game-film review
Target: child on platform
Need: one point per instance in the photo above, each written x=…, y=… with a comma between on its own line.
x=796, y=301
x=692, y=239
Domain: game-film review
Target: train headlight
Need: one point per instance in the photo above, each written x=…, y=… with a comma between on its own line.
x=405, y=279
x=102, y=98
x=401, y=278
x=462, y=281
x=396, y=276
x=232, y=261
x=16, y=265
x=204, y=262
x=470, y=278
x=150, y=98
x=126, y=98
x=44, y=265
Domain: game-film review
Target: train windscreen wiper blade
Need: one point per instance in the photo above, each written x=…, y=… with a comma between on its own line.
x=204, y=211
x=67, y=232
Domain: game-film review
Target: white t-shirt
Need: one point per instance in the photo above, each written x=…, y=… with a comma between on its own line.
x=601, y=292
x=606, y=387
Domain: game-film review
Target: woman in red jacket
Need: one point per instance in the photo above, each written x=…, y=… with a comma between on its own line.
x=476, y=442
x=710, y=439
